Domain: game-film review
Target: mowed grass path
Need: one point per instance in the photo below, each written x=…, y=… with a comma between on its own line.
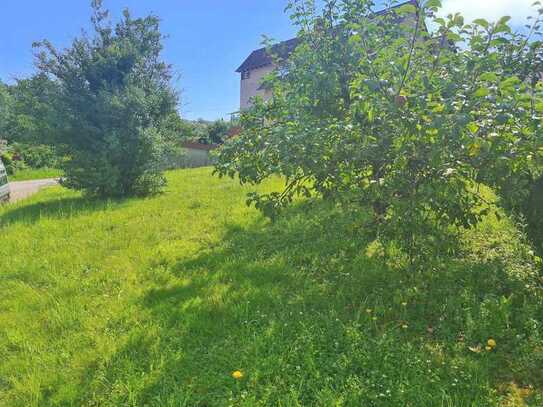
x=157, y=301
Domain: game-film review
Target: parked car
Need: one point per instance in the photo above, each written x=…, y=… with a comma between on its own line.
x=4, y=185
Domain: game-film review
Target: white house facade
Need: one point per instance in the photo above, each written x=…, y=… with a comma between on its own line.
x=255, y=67
x=251, y=85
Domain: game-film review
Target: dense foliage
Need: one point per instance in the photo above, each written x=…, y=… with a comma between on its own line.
x=216, y=132
x=26, y=124
x=5, y=108
x=373, y=109
x=30, y=111
x=114, y=93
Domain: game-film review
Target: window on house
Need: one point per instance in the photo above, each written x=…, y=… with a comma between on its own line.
x=245, y=75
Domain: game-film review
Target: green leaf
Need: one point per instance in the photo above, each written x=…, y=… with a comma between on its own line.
x=439, y=108
x=473, y=127
x=482, y=92
x=454, y=37
x=509, y=84
x=489, y=77
x=474, y=149
x=433, y=4
x=459, y=20
x=406, y=9
x=482, y=22
x=502, y=28
x=504, y=20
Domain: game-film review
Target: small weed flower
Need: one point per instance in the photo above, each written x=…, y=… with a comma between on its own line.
x=404, y=304
x=405, y=326
x=488, y=348
x=374, y=318
x=237, y=374
x=491, y=343
x=368, y=310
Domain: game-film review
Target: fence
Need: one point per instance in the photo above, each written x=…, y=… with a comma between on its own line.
x=192, y=155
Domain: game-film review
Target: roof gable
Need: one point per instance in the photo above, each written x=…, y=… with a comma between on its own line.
x=260, y=57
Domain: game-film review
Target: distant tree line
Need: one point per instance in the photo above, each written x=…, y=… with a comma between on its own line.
x=25, y=113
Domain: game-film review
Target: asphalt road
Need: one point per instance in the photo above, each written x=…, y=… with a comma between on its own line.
x=24, y=189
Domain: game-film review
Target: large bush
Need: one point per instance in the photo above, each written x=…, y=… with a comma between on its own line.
x=372, y=109
x=114, y=92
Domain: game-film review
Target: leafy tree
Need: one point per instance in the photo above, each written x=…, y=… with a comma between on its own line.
x=5, y=109
x=373, y=110
x=32, y=111
x=175, y=129
x=114, y=93
x=217, y=132
x=26, y=123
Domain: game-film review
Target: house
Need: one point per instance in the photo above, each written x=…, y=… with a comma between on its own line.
x=259, y=64
x=256, y=67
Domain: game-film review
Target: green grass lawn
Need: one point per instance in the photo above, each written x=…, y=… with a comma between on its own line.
x=157, y=301
x=31, y=174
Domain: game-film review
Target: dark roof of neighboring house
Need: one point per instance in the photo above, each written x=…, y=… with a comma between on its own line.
x=260, y=57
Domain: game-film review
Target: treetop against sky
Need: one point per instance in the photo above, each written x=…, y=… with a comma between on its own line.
x=207, y=39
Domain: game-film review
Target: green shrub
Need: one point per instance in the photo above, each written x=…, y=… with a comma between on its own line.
x=37, y=156
x=114, y=93
x=12, y=162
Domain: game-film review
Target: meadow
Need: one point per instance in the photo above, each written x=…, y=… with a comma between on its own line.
x=32, y=174
x=158, y=301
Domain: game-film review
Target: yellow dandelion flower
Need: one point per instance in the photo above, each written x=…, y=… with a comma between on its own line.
x=491, y=342
x=237, y=374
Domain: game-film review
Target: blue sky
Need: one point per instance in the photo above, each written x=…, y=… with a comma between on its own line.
x=207, y=39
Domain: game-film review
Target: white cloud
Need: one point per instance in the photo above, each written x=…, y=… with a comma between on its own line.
x=491, y=10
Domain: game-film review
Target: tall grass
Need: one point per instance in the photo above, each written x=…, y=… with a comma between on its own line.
x=34, y=174
x=157, y=301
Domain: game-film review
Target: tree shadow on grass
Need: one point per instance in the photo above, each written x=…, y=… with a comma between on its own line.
x=301, y=300
x=55, y=208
